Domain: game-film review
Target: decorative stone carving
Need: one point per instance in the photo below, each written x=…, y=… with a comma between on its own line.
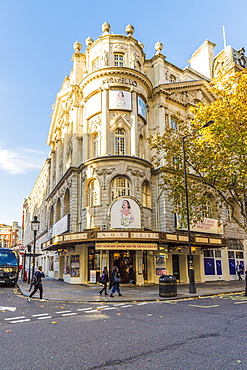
x=106, y=28
x=119, y=47
x=103, y=172
x=137, y=173
x=129, y=30
x=105, y=58
x=89, y=41
x=134, y=60
x=141, y=44
x=77, y=46
x=158, y=47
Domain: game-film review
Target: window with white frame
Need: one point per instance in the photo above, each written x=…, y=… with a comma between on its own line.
x=173, y=124
x=206, y=209
x=96, y=64
x=228, y=212
x=118, y=59
x=146, y=196
x=92, y=193
x=120, y=187
x=119, y=142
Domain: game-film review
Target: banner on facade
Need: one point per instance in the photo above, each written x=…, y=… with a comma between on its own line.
x=119, y=99
x=126, y=246
x=141, y=107
x=207, y=225
x=61, y=226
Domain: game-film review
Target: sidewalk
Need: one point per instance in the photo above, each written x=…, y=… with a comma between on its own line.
x=59, y=291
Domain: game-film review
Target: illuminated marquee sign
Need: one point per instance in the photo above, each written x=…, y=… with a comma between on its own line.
x=128, y=246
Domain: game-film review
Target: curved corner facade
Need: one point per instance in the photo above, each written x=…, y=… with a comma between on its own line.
x=97, y=197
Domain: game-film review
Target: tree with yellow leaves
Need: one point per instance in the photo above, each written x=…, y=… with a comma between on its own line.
x=216, y=156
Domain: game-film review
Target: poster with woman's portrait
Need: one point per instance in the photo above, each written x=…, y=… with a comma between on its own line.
x=125, y=214
x=119, y=99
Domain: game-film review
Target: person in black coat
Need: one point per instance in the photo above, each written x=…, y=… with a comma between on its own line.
x=106, y=279
x=114, y=281
x=39, y=274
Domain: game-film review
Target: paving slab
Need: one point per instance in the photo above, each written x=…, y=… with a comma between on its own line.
x=60, y=291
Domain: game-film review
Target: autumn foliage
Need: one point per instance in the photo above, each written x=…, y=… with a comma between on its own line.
x=216, y=156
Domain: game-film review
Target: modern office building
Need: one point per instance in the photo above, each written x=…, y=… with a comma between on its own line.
x=97, y=197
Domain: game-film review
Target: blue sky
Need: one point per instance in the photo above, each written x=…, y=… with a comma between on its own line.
x=36, y=43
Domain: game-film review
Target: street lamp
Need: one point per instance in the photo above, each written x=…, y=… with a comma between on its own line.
x=192, y=286
x=35, y=227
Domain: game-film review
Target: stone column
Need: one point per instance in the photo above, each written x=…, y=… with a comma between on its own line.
x=134, y=126
x=105, y=122
x=58, y=161
x=53, y=154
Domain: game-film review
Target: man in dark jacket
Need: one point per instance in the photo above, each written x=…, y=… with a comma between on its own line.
x=39, y=274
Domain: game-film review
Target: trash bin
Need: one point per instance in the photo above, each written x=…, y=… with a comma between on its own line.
x=167, y=286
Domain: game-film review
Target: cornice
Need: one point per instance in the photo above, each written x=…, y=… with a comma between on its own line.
x=109, y=71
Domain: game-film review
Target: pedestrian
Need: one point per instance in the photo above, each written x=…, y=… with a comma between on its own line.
x=114, y=281
x=104, y=280
x=37, y=283
x=131, y=274
x=239, y=270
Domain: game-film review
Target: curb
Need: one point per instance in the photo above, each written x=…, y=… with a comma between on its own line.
x=176, y=298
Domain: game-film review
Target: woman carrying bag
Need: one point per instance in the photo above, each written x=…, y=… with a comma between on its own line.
x=103, y=280
x=114, y=282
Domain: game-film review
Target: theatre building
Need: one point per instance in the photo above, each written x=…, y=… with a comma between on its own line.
x=97, y=197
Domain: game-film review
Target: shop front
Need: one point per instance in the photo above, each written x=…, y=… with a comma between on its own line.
x=141, y=256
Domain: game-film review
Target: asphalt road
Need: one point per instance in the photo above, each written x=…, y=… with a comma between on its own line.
x=204, y=333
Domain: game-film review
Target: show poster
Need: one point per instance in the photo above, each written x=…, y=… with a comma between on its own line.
x=119, y=99
x=125, y=214
x=142, y=110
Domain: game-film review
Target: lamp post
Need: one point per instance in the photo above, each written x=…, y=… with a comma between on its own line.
x=35, y=227
x=192, y=286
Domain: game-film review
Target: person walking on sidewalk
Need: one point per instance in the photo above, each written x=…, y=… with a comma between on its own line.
x=239, y=271
x=37, y=283
x=114, y=281
x=104, y=280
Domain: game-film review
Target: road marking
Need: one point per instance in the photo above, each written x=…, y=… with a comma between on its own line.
x=40, y=314
x=63, y=311
x=15, y=318
x=84, y=309
x=93, y=311
x=194, y=305
x=119, y=304
x=240, y=302
x=102, y=307
x=141, y=304
x=44, y=317
x=127, y=305
x=109, y=308
x=16, y=322
x=8, y=308
x=70, y=314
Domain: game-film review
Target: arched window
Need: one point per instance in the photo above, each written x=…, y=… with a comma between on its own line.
x=206, y=209
x=146, y=196
x=58, y=210
x=51, y=216
x=120, y=187
x=92, y=193
x=119, y=142
x=96, y=151
x=141, y=146
x=66, y=207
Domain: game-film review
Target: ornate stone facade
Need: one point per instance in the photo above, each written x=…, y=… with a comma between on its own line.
x=112, y=101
